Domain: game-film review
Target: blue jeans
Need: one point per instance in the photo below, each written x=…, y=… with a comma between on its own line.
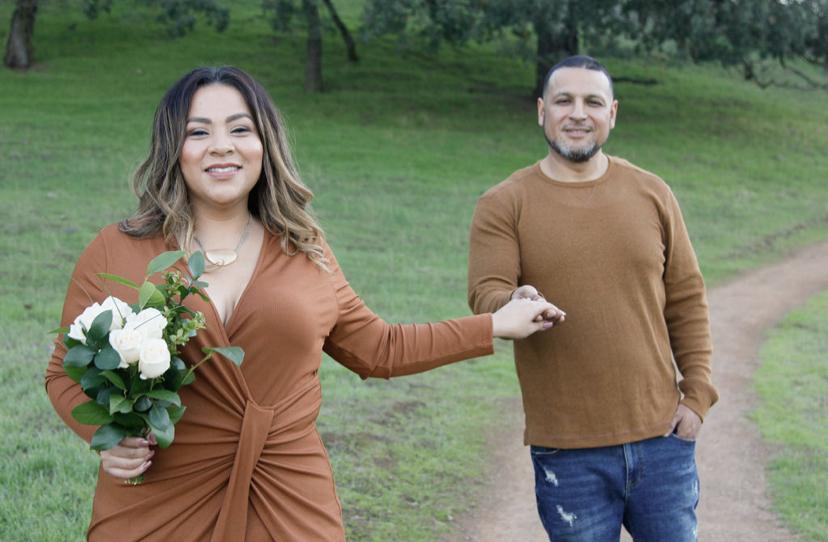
x=651, y=487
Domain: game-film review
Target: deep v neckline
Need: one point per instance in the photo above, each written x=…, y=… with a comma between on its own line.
x=226, y=327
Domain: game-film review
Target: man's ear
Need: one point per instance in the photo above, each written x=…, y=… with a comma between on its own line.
x=613, y=113
x=541, y=111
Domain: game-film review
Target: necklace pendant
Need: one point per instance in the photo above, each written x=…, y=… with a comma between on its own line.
x=221, y=258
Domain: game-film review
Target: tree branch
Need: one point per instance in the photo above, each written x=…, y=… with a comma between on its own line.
x=343, y=30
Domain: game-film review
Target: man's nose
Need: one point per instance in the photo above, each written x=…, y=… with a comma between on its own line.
x=578, y=109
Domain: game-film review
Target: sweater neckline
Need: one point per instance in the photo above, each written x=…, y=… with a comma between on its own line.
x=577, y=184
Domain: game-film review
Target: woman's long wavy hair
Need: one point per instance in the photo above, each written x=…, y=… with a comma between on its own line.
x=279, y=199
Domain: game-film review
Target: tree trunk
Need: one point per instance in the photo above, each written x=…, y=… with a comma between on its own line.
x=343, y=31
x=19, y=52
x=313, y=63
x=553, y=47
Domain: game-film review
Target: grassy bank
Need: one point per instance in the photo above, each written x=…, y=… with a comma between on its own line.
x=397, y=152
x=793, y=385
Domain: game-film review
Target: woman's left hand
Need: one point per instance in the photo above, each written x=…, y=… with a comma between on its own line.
x=519, y=318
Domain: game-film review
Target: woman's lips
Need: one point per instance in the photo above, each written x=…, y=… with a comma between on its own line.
x=223, y=172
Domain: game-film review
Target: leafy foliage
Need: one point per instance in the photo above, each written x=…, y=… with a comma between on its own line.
x=732, y=32
x=178, y=16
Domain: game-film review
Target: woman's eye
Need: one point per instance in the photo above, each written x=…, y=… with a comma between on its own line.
x=197, y=132
x=241, y=130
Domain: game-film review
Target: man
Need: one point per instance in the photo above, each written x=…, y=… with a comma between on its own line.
x=611, y=433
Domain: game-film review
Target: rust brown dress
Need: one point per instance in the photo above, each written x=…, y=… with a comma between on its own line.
x=247, y=462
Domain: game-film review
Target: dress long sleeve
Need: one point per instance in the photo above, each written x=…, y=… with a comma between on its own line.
x=371, y=347
x=85, y=288
x=247, y=462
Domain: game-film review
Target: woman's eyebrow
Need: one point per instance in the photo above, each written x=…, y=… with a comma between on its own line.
x=231, y=118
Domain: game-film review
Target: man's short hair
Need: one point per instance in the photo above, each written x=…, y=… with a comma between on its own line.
x=577, y=61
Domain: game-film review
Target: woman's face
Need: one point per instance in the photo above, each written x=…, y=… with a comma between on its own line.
x=221, y=159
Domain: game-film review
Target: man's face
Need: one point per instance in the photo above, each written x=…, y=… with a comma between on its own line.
x=577, y=113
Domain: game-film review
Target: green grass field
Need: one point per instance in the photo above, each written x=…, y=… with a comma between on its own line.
x=397, y=151
x=793, y=386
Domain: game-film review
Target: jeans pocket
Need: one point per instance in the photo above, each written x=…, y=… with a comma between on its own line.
x=684, y=440
x=543, y=450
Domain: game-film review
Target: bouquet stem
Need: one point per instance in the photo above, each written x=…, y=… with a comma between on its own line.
x=135, y=481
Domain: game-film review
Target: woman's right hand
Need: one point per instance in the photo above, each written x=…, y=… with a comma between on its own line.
x=519, y=318
x=129, y=459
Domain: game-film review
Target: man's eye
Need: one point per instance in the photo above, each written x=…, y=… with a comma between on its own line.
x=562, y=102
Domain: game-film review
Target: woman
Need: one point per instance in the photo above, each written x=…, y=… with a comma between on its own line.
x=247, y=462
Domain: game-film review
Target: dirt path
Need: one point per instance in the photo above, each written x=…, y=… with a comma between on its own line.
x=731, y=457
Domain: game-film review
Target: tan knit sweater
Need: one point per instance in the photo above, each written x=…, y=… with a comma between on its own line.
x=615, y=255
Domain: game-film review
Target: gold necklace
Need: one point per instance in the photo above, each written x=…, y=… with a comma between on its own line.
x=224, y=256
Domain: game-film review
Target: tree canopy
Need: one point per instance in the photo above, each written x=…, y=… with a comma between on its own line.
x=733, y=32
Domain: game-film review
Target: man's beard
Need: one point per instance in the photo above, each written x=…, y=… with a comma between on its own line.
x=573, y=155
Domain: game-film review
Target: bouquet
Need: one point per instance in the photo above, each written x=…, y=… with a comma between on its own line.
x=125, y=357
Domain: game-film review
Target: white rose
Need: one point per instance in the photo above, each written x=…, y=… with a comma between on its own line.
x=78, y=328
x=149, y=322
x=154, y=358
x=127, y=342
x=120, y=311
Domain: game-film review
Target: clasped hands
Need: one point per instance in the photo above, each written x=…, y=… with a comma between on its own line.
x=526, y=313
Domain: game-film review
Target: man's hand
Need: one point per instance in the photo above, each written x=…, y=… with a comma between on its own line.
x=685, y=424
x=527, y=291
x=519, y=318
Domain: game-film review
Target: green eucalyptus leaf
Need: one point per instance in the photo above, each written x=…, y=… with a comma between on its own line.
x=108, y=358
x=78, y=356
x=75, y=373
x=119, y=279
x=233, y=353
x=139, y=386
x=188, y=379
x=69, y=342
x=115, y=378
x=119, y=403
x=163, y=261
x=178, y=364
x=59, y=330
x=165, y=395
x=145, y=293
x=130, y=420
x=196, y=264
x=143, y=404
x=176, y=412
x=91, y=379
x=108, y=436
x=159, y=417
x=161, y=426
x=200, y=284
x=91, y=413
x=100, y=327
x=102, y=397
x=164, y=436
